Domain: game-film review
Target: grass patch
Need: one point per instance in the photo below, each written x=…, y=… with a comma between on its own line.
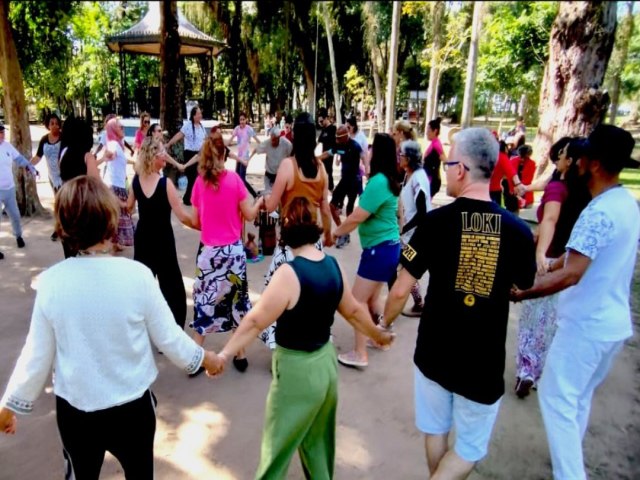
x=630, y=178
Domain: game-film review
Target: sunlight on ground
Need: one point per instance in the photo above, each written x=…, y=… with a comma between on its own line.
x=351, y=449
x=190, y=443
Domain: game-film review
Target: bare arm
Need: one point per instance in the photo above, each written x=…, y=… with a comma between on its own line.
x=131, y=201
x=285, y=172
x=35, y=160
x=546, y=230
x=176, y=138
x=325, y=215
x=174, y=162
x=539, y=184
x=249, y=208
x=398, y=296
x=358, y=216
x=176, y=206
x=192, y=161
x=557, y=280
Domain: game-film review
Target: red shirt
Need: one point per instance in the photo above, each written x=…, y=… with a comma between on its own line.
x=526, y=170
x=502, y=169
x=288, y=136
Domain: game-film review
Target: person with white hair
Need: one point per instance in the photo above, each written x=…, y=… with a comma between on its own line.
x=475, y=251
x=276, y=148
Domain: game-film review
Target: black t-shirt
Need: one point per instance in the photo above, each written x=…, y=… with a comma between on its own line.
x=328, y=138
x=475, y=251
x=349, y=158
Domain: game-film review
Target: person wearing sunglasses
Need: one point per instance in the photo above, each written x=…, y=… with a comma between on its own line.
x=145, y=122
x=475, y=252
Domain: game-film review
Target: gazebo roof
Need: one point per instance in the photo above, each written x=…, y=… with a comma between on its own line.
x=145, y=37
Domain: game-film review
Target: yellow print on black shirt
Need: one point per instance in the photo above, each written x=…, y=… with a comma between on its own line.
x=479, y=249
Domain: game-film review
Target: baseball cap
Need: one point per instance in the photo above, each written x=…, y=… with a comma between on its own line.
x=612, y=146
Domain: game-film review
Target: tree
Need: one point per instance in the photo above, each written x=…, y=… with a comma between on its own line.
x=392, y=77
x=619, y=59
x=375, y=53
x=332, y=59
x=170, y=105
x=470, y=81
x=571, y=101
x=16, y=112
x=432, y=92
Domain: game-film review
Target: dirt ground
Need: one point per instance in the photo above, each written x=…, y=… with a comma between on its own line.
x=211, y=428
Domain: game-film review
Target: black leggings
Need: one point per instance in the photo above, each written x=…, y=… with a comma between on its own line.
x=126, y=431
x=191, y=173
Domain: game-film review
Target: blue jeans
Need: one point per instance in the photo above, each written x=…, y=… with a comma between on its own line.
x=8, y=199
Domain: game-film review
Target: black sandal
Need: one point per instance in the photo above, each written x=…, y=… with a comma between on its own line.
x=241, y=364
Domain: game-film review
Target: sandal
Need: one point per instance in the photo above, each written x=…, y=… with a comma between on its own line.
x=352, y=359
x=241, y=364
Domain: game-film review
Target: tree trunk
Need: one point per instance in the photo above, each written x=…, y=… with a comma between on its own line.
x=472, y=63
x=392, y=77
x=170, y=107
x=432, y=92
x=580, y=45
x=619, y=61
x=522, y=105
x=236, y=46
x=332, y=59
x=15, y=108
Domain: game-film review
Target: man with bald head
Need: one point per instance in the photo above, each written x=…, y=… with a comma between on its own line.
x=276, y=149
x=348, y=153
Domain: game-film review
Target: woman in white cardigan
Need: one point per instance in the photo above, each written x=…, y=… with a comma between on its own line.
x=94, y=319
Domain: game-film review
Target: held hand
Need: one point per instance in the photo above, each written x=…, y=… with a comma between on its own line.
x=213, y=364
x=329, y=240
x=520, y=190
x=7, y=421
x=386, y=337
x=543, y=265
x=516, y=295
x=181, y=167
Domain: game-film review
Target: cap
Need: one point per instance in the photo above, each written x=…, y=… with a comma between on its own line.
x=612, y=146
x=275, y=131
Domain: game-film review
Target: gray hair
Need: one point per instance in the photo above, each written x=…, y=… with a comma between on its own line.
x=479, y=146
x=411, y=149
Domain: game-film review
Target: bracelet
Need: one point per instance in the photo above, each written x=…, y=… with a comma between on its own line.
x=517, y=184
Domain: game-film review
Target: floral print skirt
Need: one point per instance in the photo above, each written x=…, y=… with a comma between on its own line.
x=220, y=291
x=124, y=236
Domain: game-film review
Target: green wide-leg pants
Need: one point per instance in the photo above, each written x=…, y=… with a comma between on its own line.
x=301, y=414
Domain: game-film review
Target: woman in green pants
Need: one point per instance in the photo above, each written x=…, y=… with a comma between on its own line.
x=303, y=297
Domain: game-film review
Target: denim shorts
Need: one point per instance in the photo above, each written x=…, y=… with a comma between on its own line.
x=438, y=409
x=380, y=262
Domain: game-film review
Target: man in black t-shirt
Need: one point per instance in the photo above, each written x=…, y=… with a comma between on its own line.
x=475, y=251
x=328, y=139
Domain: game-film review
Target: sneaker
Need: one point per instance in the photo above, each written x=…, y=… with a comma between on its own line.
x=341, y=241
x=20, y=242
x=352, y=359
x=414, y=311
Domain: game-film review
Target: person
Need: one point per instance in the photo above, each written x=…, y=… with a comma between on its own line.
x=327, y=138
x=287, y=131
x=415, y=202
x=303, y=297
x=9, y=155
x=377, y=223
x=102, y=390
x=402, y=130
x=155, y=132
x=243, y=133
x=349, y=156
x=525, y=167
x=102, y=139
x=76, y=158
x=145, y=122
x=276, y=148
x=302, y=175
x=594, y=318
x=220, y=291
x=355, y=133
x=116, y=178
x=479, y=252
x=49, y=147
x=434, y=156
x=503, y=168
x=563, y=200
x=193, y=134
x=154, y=244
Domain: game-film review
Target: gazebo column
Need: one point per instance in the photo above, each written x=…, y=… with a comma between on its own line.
x=124, y=97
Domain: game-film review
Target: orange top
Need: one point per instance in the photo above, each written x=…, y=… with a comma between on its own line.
x=312, y=190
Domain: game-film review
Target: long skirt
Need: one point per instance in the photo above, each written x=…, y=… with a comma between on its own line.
x=220, y=291
x=124, y=236
x=537, y=326
x=301, y=414
x=281, y=255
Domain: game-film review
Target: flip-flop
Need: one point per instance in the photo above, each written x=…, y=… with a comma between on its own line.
x=351, y=359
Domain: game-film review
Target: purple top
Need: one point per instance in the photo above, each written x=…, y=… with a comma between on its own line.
x=555, y=191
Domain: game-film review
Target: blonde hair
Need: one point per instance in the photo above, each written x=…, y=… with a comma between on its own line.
x=211, y=163
x=86, y=213
x=406, y=129
x=144, y=115
x=146, y=155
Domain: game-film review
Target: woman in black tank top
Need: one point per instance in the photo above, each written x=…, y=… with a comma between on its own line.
x=303, y=296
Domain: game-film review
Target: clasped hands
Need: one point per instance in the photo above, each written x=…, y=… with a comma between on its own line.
x=214, y=363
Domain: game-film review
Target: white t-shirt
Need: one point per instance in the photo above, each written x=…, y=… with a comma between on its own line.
x=94, y=320
x=607, y=232
x=7, y=154
x=193, y=137
x=408, y=196
x=361, y=138
x=116, y=169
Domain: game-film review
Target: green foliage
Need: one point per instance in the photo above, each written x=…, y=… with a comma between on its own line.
x=630, y=71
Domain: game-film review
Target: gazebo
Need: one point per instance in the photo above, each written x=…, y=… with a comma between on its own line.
x=144, y=38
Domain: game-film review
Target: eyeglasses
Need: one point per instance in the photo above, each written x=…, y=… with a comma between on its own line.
x=146, y=122
x=449, y=164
